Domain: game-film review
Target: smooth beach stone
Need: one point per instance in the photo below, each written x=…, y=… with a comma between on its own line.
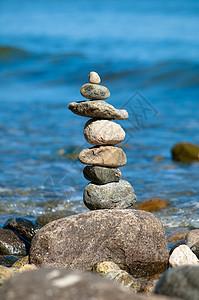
x=101, y=268
x=97, y=109
x=102, y=175
x=182, y=255
x=192, y=241
x=152, y=205
x=109, y=196
x=12, y=244
x=94, y=91
x=105, y=156
x=180, y=282
x=124, y=278
x=177, y=235
x=94, y=78
x=185, y=152
x=51, y=216
x=133, y=239
x=103, y=132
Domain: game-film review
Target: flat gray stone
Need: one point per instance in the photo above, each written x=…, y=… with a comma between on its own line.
x=97, y=109
x=94, y=91
x=109, y=196
x=102, y=175
x=103, y=132
x=105, y=156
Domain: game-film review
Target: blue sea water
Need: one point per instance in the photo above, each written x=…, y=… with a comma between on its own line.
x=147, y=55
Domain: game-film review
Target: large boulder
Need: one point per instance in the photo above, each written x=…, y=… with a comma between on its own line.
x=185, y=152
x=50, y=284
x=133, y=239
x=180, y=282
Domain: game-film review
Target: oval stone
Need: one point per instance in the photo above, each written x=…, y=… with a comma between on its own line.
x=94, y=78
x=103, y=132
x=109, y=196
x=102, y=175
x=94, y=91
x=105, y=156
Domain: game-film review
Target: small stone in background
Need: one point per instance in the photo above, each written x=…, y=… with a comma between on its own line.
x=12, y=244
x=101, y=268
x=94, y=78
x=192, y=241
x=185, y=152
x=21, y=262
x=124, y=278
x=23, y=227
x=8, y=261
x=152, y=205
x=94, y=91
x=177, y=235
x=102, y=175
x=182, y=255
x=51, y=216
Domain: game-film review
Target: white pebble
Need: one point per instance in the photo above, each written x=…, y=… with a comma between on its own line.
x=94, y=78
x=182, y=255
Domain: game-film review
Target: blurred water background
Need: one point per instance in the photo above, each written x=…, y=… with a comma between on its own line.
x=144, y=49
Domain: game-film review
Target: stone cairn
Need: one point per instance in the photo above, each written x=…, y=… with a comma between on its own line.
x=106, y=190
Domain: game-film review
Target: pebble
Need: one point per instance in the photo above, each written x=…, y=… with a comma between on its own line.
x=192, y=241
x=109, y=196
x=21, y=262
x=105, y=156
x=152, y=205
x=101, y=268
x=102, y=175
x=125, y=279
x=97, y=109
x=94, y=91
x=103, y=132
x=182, y=255
x=94, y=78
x=185, y=152
x=177, y=235
x=12, y=244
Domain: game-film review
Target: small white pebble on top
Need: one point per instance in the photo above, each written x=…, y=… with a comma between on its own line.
x=94, y=78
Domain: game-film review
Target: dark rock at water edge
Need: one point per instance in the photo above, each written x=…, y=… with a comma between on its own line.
x=23, y=227
x=95, y=91
x=101, y=175
x=8, y=261
x=110, y=196
x=185, y=152
x=180, y=282
x=51, y=216
x=133, y=239
x=13, y=244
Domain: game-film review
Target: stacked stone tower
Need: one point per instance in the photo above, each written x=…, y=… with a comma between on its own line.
x=106, y=188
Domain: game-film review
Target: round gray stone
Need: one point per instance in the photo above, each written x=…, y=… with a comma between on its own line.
x=109, y=196
x=103, y=132
x=94, y=91
x=101, y=175
x=97, y=109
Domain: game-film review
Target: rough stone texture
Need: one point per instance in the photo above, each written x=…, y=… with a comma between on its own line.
x=111, y=195
x=152, y=205
x=148, y=284
x=105, y=156
x=124, y=278
x=101, y=175
x=51, y=284
x=21, y=262
x=97, y=109
x=94, y=91
x=180, y=282
x=12, y=244
x=185, y=152
x=51, y=216
x=135, y=240
x=104, y=267
x=94, y=78
x=177, y=235
x=182, y=255
x=8, y=261
x=103, y=132
x=23, y=227
x=192, y=241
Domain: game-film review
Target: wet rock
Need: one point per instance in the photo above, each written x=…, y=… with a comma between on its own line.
x=102, y=175
x=103, y=132
x=192, y=241
x=124, y=278
x=152, y=205
x=94, y=91
x=94, y=78
x=21, y=262
x=104, y=267
x=182, y=255
x=97, y=109
x=111, y=195
x=12, y=244
x=62, y=284
x=105, y=156
x=8, y=261
x=23, y=227
x=180, y=282
x=177, y=235
x=135, y=240
x=51, y=216
x=185, y=152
